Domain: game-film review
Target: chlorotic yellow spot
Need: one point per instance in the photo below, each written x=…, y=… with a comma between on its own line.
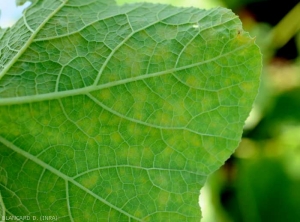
x=105, y=94
x=45, y=121
x=104, y=117
x=162, y=199
x=113, y=77
x=86, y=215
x=119, y=106
x=246, y=86
x=195, y=140
x=171, y=140
x=180, y=120
x=51, y=199
x=116, y=137
x=167, y=151
x=122, y=172
x=135, y=69
x=108, y=191
x=141, y=95
x=131, y=128
x=139, y=213
x=135, y=154
x=90, y=181
x=113, y=214
x=147, y=153
x=122, y=154
x=191, y=81
x=69, y=153
x=137, y=110
x=242, y=38
x=165, y=119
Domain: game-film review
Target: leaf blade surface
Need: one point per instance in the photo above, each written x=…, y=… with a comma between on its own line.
x=121, y=113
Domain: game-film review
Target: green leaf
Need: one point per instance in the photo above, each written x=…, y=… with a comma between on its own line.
x=2, y=208
x=119, y=113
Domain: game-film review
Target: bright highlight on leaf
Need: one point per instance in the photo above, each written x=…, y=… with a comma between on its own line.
x=119, y=113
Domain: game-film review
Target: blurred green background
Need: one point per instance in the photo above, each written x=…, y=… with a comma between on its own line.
x=261, y=181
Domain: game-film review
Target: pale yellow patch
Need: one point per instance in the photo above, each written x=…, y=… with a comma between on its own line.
x=119, y=106
x=139, y=214
x=113, y=77
x=165, y=119
x=122, y=154
x=246, y=86
x=69, y=153
x=180, y=120
x=105, y=94
x=104, y=117
x=192, y=81
x=131, y=129
x=188, y=54
x=90, y=181
x=195, y=140
x=147, y=153
x=135, y=69
x=242, y=38
x=123, y=172
x=86, y=215
x=171, y=140
x=168, y=151
x=116, y=137
x=51, y=199
x=45, y=121
x=108, y=191
x=167, y=107
x=137, y=111
x=162, y=199
x=134, y=154
x=141, y=95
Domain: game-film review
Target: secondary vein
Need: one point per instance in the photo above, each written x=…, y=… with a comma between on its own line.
x=29, y=41
x=61, y=175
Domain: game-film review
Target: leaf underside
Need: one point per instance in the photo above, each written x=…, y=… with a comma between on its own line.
x=119, y=113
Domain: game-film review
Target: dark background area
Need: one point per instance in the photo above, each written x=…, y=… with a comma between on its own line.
x=261, y=181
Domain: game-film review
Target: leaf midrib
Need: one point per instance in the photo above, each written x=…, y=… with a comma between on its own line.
x=88, y=89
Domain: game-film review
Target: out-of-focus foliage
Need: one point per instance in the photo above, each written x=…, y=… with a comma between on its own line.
x=261, y=181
